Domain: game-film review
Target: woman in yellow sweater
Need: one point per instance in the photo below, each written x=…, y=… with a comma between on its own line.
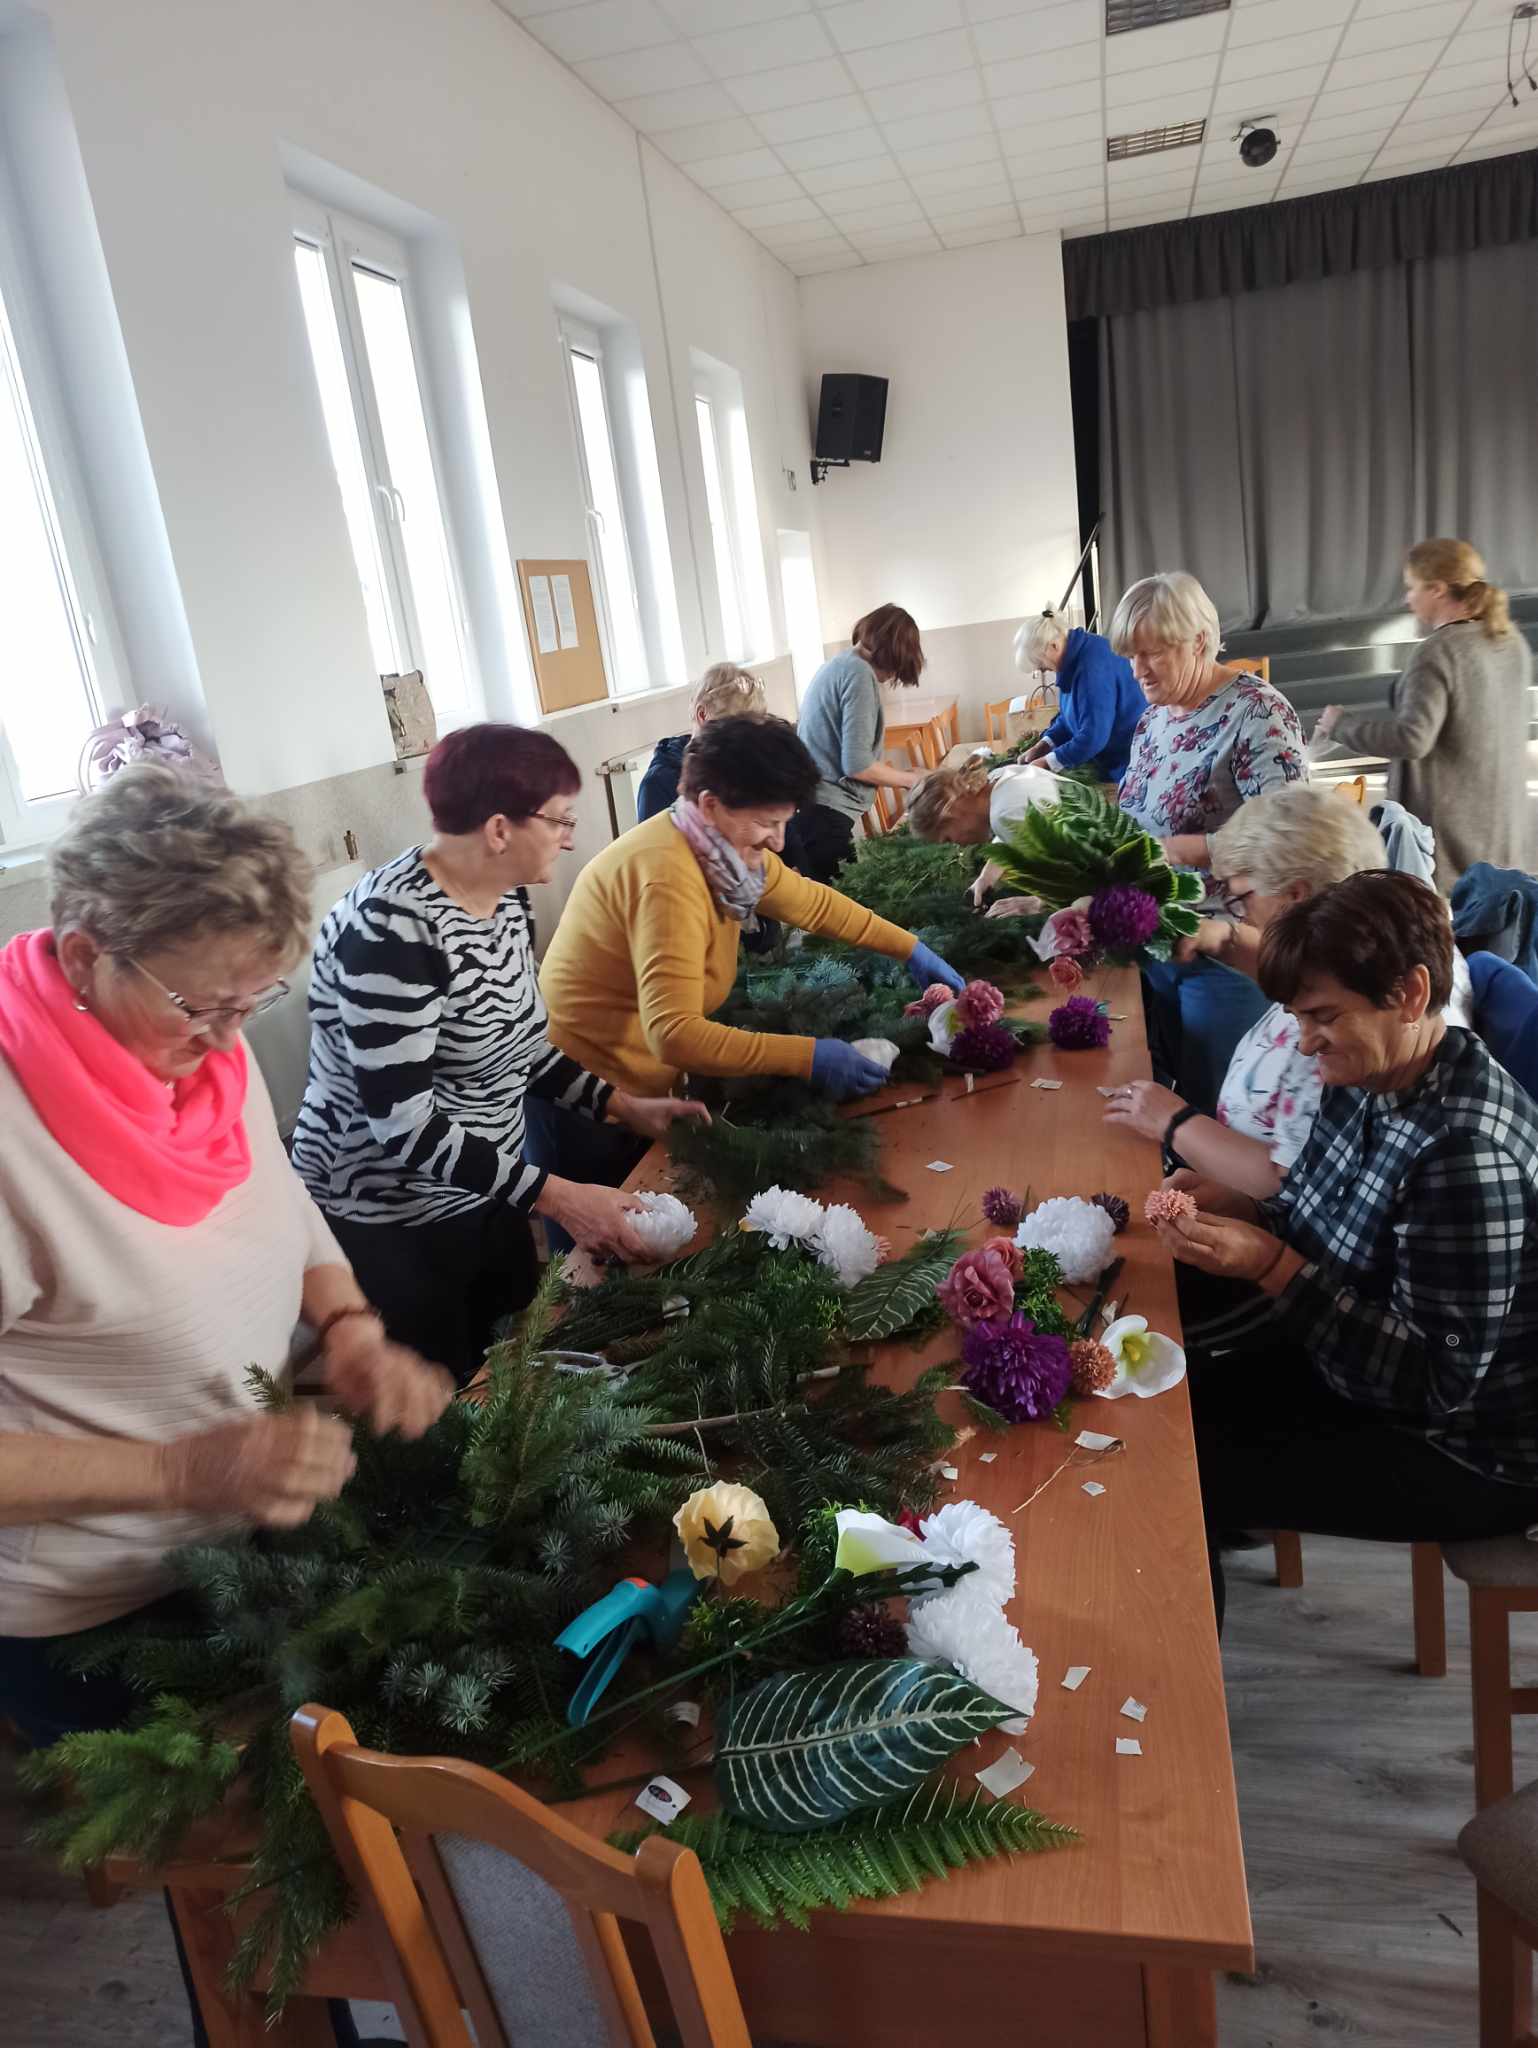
x=647, y=945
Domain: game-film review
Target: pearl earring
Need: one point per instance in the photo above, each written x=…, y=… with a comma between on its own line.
x=80, y=1002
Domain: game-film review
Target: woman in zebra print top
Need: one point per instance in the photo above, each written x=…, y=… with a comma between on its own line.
x=427, y=1031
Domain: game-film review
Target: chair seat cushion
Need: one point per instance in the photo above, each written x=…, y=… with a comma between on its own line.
x=1493, y=1561
x=1500, y=1846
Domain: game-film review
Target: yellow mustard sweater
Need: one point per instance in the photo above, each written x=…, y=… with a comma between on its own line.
x=642, y=956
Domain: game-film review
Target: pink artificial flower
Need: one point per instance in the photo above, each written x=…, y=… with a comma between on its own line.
x=933, y=996
x=980, y=1003
x=1007, y=1250
x=1065, y=931
x=1066, y=973
x=980, y=1286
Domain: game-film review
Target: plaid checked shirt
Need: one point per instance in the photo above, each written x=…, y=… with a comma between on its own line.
x=1418, y=1215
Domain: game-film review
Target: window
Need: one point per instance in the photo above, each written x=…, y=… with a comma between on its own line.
x=732, y=644
x=731, y=504
x=619, y=611
x=354, y=289
x=57, y=674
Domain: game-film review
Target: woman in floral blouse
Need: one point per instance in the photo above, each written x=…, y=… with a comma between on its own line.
x=1207, y=741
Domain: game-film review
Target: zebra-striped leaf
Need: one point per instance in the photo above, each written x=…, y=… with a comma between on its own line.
x=892, y=1297
x=806, y=1748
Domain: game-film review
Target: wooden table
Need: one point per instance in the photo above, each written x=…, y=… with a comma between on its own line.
x=922, y=719
x=1107, y=1943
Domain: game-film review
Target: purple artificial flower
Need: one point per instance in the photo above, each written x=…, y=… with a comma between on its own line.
x=1079, y=1025
x=1123, y=916
x=987, y=1048
x=1003, y=1207
x=1020, y=1372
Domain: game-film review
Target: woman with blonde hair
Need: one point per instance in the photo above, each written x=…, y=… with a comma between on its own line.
x=1455, y=735
x=723, y=691
x=973, y=804
x=1099, y=700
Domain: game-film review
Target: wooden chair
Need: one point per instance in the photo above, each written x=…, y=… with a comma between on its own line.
x=1500, y=1846
x=1353, y=788
x=1259, y=666
x=886, y=813
x=997, y=717
x=518, y=1913
x=1040, y=703
x=1426, y=1595
x=1501, y=1574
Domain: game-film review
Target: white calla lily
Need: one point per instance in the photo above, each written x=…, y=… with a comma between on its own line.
x=944, y=1023
x=1146, y=1363
x=870, y=1543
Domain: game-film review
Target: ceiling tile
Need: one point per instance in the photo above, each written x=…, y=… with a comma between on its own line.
x=1370, y=127
x=1037, y=73
x=836, y=116
x=1488, y=75
x=926, y=96
x=1327, y=162
x=1244, y=97
x=1041, y=28
x=784, y=213
x=1164, y=172
x=893, y=214
x=918, y=130
x=923, y=57
x=1165, y=81
x=943, y=205
x=1415, y=156
x=602, y=29
x=950, y=156
x=1473, y=100
x=1052, y=217
x=876, y=238
x=1065, y=157
x=712, y=171
x=1054, y=184
x=794, y=86
x=688, y=106
x=1405, y=60
x=823, y=264
x=1303, y=187
x=871, y=170
x=521, y=10
x=1363, y=99
x=1171, y=43
x=967, y=238
x=1422, y=125
x=1032, y=136
x=706, y=138
x=1261, y=61
x=917, y=245
x=792, y=234
x=981, y=217
x=662, y=69
x=699, y=17
x=1073, y=231
x=976, y=178
x=1162, y=112
x=757, y=192
x=1038, y=109
x=1388, y=31
x=863, y=24
x=817, y=243
x=1264, y=20
x=818, y=151
x=765, y=46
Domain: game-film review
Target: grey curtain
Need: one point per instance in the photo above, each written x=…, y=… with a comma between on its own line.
x=1287, y=446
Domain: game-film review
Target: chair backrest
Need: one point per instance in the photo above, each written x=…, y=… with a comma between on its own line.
x=997, y=716
x=1258, y=665
x=1506, y=1016
x=513, y=1912
x=1353, y=788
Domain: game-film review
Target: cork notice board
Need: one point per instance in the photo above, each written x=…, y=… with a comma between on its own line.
x=563, y=634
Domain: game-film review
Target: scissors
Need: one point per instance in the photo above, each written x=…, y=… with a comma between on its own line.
x=609, y=1630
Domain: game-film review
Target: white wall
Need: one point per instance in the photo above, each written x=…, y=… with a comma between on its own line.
x=971, y=515
x=187, y=114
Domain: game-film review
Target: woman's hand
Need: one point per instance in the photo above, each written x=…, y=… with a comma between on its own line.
x=384, y=1383
x=597, y=1217
x=1211, y=940
x=1144, y=1107
x=1327, y=721
x=1232, y=1250
x=1015, y=906
x=926, y=966
x=650, y=1116
x=272, y=1469
x=1214, y=1197
x=1186, y=850
x=989, y=879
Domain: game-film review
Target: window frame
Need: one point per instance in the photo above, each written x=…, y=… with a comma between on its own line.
x=345, y=241
x=727, y=541
x=719, y=387
x=59, y=485
x=580, y=337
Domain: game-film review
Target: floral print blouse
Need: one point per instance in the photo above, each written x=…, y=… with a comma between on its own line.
x=1191, y=769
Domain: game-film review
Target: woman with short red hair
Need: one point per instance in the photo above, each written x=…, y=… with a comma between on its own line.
x=427, y=1033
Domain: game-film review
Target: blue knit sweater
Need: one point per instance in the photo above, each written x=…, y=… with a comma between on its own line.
x=1100, y=707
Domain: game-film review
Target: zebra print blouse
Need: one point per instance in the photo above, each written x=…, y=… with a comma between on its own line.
x=426, y=1030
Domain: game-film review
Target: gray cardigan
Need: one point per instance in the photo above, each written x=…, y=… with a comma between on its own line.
x=842, y=725
x=1455, y=737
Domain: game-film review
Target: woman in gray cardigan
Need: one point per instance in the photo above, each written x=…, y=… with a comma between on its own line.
x=1455, y=735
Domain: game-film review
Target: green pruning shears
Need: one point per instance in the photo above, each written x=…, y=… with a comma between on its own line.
x=608, y=1631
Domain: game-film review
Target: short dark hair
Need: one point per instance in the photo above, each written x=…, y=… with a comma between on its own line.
x=891, y=640
x=754, y=759
x=489, y=771
x=1367, y=932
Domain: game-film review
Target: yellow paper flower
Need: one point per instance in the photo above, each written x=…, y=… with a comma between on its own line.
x=726, y=1532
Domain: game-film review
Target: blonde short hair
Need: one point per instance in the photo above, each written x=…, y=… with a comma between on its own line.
x=932, y=802
x=727, y=691
x=1034, y=638
x=1172, y=609
x=156, y=857
x=1302, y=833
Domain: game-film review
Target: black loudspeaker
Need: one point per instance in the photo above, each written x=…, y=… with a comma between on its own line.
x=851, y=418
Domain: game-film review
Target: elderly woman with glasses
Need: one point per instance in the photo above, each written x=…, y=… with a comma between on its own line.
x=428, y=1036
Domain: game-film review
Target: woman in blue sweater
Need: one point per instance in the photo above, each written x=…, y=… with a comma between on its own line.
x=1099, y=698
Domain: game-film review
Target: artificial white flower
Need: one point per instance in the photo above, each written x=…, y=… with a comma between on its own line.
x=944, y=1023
x=963, y=1533
x=1146, y=1363
x=785, y=1217
x=1078, y=1235
x=883, y=1051
x=662, y=1223
x=845, y=1246
x=967, y=1628
x=580, y=1269
x=870, y=1543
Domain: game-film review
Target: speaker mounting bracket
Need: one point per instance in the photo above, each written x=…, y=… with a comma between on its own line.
x=821, y=464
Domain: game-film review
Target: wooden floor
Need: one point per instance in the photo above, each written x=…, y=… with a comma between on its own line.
x=1354, y=1777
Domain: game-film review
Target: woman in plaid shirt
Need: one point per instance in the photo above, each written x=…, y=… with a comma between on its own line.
x=1395, y=1391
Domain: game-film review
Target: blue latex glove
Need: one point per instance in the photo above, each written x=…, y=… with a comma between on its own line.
x=842, y=1072
x=926, y=967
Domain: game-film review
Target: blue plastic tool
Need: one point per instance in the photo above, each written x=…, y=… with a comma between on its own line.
x=608, y=1631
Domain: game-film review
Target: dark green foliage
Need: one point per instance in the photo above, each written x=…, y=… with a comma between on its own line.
x=782, y=1134
x=902, y=1292
x=924, y=888
x=1036, y=1293
x=783, y=1879
x=1082, y=843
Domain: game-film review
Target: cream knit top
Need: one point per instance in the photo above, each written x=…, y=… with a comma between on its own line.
x=112, y=1325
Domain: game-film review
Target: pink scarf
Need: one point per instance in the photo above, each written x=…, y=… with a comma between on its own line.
x=170, y=1153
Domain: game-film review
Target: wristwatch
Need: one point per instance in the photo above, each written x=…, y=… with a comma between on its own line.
x=1172, y=1160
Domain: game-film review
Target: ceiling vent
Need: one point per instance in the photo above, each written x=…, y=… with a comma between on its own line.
x=1122, y=15
x=1149, y=141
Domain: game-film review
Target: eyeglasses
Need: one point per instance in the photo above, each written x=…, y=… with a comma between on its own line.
x=221, y=1015
x=567, y=827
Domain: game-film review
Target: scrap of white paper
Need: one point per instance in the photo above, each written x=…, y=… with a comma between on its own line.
x=1108, y=1091
x=949, y=1472
x=544, y=613
x=1010, y=1770
x=939, y=1166
x=1093, y=1440
x=986, y=1457
x=1018, y=703
x=685, y=1712
x=565, y=611
x=662, y=1799
x=1110, y=1312
x=1093, y=1486
x=971, y=1083
x=1134, y=1709
x=1074, y=1677
x=1117, y=1016
x=1126, y=1745
x=1042, y=1082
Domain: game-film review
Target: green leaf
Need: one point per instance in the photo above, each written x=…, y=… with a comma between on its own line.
x=805, y=1748
x=896, y=1294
